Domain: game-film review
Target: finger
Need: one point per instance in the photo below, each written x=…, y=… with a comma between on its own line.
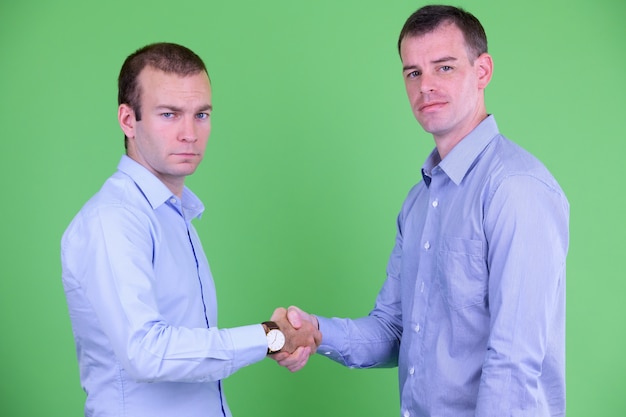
x=302, y=360
x=300, y=355
x=278, y=357
x=297, y=367
x=278, y=313
x=304, y=357
x=287, y=360
x=289, y=363
x=295, y=316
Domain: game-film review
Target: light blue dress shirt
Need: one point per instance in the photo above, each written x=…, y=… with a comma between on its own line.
x=143, y=307
x=473, y=307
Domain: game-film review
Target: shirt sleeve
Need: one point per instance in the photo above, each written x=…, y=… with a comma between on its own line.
x=372, y=341
x=526, y=225
x=109, y=278
x=358, y=343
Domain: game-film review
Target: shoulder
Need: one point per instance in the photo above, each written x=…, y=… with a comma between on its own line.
x=516, y=178
x=509, y=162
x=118, y=202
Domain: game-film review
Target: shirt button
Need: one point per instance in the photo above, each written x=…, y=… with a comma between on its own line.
x=411, y=371
x=173, y=200
x=406, y=413
x=422, y=287
x=435, y=203
x=427, y=245
x=417, y=328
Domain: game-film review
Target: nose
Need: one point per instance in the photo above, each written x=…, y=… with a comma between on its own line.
x=427, y=84
x=188, y=131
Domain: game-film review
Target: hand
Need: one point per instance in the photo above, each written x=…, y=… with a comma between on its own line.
x=297, y=317
x=304, y=334
x=296, y=320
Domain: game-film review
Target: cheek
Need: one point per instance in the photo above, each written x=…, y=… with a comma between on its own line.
x=469, y=88
x=202, y=127
x=203, y=137
x=204, y=132
x=156, y=143
x=412, y=91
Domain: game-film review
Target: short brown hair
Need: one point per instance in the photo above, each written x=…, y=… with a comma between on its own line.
x=166, y=57
x=429, y=18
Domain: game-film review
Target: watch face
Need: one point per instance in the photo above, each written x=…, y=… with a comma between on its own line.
x=275, y=340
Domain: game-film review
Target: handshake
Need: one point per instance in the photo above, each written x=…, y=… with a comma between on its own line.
x=302, y=337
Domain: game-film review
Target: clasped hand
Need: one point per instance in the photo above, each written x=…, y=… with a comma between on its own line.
x=302, y=337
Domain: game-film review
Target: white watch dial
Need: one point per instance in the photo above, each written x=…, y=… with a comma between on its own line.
x=275, y=340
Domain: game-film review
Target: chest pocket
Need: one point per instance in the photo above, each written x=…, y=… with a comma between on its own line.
x=462, y=272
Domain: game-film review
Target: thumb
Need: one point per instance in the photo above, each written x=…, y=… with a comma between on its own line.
x=295, y=316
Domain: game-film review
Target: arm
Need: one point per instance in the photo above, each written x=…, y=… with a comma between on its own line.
x=356, y=343
x=366, y=342
x=526, y=225
x=112, y=290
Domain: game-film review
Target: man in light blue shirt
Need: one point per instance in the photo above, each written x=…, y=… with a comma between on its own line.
x=140, y=293
x=473, y=308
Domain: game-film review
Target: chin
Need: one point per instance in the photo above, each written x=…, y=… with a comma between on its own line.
x=185, y=170
x=428, y=127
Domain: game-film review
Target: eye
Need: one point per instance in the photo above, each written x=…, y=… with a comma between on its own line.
x=413, y=74
x=167, y=115
x=446, y=68
x=202, y=116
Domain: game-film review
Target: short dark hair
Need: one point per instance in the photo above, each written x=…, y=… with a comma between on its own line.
x=163, y=56
x=429, y=18
x=166, y=57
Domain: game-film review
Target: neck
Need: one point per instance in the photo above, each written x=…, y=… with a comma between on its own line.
x=446, y=142
x=177, y=190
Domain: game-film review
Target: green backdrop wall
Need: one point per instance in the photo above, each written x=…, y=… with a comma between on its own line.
x=313, y=149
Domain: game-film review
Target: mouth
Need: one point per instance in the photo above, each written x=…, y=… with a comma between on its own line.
x=186, y=157
x=431, y=106
x=186, y=154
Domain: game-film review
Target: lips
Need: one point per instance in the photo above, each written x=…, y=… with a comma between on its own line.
x=185, y=154
x=431, y=106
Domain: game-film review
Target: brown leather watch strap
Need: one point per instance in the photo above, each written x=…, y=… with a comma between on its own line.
x=270, y=325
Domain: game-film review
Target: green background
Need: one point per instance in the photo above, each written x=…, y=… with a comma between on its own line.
x=313, y=150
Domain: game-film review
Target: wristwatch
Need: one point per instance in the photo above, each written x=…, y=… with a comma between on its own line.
x=275, y=338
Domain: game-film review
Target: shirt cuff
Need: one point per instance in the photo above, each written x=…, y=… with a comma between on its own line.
x=250, y=344
x=331, y=339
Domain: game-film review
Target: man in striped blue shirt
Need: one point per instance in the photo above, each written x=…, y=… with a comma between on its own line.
x=473, y=308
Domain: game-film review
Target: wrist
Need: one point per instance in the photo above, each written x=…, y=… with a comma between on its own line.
x=275, y=337
x=315, y=321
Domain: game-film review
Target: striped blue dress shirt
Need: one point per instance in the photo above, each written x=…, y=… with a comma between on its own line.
x=473, y=308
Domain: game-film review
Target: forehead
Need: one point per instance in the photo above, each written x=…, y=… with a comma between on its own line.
x=158, y=85
x=445, y=39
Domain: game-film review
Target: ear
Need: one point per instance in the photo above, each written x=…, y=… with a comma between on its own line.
x=126, y=118
x=484, y=70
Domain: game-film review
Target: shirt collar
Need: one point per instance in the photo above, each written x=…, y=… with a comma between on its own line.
x=459, y=160
x=155, y=191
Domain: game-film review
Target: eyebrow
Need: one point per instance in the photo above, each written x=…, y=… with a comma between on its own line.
x=444, y=59
x=206, y=107
x=436, y=61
